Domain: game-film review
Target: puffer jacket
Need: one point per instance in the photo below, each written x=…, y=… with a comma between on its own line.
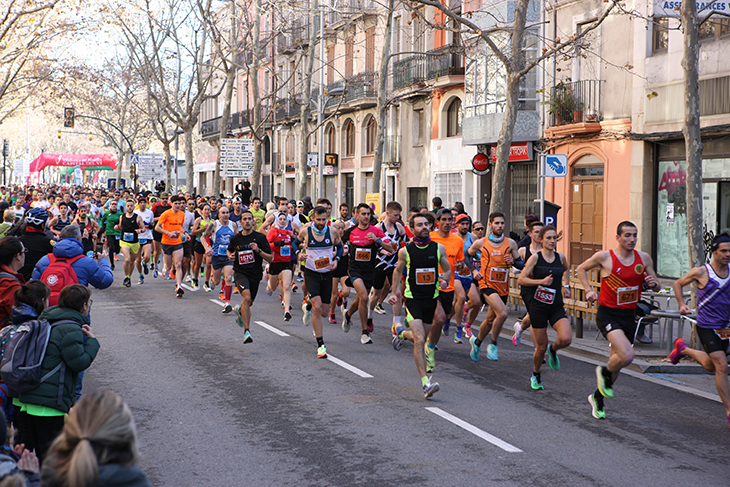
x=89, y=271
x=65, y=344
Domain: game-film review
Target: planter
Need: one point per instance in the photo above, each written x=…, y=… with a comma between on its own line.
x=577, y=116
x=591, y=117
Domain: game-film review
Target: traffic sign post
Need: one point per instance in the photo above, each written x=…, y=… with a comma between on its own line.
x=237, y=158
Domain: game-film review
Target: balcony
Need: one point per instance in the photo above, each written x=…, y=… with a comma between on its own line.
x=391, y=151
x=409, y=71
x=287, y=108
x=575, y=102
x=361, y=87
x=336, y=87
x=447, y=60
x=210, y=129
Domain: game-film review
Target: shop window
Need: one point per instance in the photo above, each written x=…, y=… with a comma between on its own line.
x=660, y=36
x=454, y=116
x=417, y=197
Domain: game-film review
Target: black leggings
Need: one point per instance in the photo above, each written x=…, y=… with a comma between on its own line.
x=42, y=431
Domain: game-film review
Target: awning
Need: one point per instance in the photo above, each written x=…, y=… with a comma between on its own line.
x=73, y=160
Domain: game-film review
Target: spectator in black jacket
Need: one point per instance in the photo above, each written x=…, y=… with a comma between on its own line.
x=36, y=242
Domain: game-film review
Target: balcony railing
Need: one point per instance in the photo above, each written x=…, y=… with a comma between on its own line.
x=409, y=71
x=391, y=151
x=361, y=86
x=334, y=100
x=211, y=128
x=447, y=60
x=575, y=102
x=287, y=108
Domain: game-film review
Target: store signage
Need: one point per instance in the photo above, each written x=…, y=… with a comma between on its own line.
x=480, y=164
x=331, y=159
x=518, y=152
x=663, y=8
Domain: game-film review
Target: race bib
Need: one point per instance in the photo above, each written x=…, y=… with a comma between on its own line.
x=464, y=272
x=627, y=295
x=322, y=263
x=285, y=251
x=363, y=255
x=545, y=295
x=128, y=237
x=426, y=276
x=222, y=250
x=118, y=237
x=245, y=257
x=723, y=333
x=498, y=274
x=143, y=241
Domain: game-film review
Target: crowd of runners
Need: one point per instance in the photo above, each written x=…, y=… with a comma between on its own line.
x=436, y=269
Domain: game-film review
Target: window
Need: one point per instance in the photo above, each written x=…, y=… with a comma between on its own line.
x=706, y=30
x=330, y=63
x=371, y=128
x=366, y=184
x=418, y=39
x=417, y=127
x=350, y=190
x=523, y=191
x=660, y=35
x=417, y=197
x=454, y=115
x=349, y=141
x=290, y=148
x=714, y=28
x=370, y=50
x=395, y=35
x=449, y=187
x=349, y=53
x=330, y=139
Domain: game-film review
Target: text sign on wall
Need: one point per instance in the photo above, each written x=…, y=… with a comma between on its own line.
x=664, y=8
x=518, y=152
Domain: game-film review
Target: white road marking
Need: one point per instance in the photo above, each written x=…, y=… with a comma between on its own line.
x=349, y=367
x=188, y=287
x=272, y=329
x=474, y=430
x=218, y=301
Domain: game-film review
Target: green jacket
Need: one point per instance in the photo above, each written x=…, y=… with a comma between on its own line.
x=109, y=220
x=66, y=343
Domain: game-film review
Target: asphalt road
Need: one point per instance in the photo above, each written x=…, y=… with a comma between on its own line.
x=212, y=411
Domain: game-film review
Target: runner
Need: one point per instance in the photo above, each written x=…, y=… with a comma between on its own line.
x=257, y=212
x=130, y=224
x=321, y=250
x=464, y=276
x=170, y=226
x=280, y=269
x=498, y=254
x=527, y=292
x=108, y=222
x=145, y=238
x=396, y=234
x=199, y=257
x=188, y=244
x=544, y=271
x=420, y=259
x=623, y=272
x=713, y=316
x=158, y=209
x=365, y=241
x=283, y=208
x=340, y=277
x=60, y=221
x=471, y=316
x=216, y=238
x=451, y=295
x=248, y=249
x=89, y=229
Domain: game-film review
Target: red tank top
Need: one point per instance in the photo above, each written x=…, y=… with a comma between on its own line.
x=622, y=288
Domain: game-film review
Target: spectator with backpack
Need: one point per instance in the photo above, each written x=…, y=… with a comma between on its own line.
x=68, y=265
x=66, y=355
x=12, y=259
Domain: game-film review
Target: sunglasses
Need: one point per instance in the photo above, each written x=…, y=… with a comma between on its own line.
x=479, y=229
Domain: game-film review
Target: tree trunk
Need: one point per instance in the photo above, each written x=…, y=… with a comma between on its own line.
x=692, y=137
x=304, y=114
x=257, y=108
x=189, y=162
x=515, y=66
x=380, y=109
x=168, y=165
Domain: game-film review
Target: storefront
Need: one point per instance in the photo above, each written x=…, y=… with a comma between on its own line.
x=672, y=257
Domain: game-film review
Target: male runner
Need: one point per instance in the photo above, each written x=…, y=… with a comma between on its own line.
x=108, y=222
x=158, y=209
x=365, y=241
x=283, y=208
x=170, y=226
x=130, y=225
x=145, y=238
x=188, y=244
x=247, y=249
x=526, y=291
x=321, y=251
x=257, y=212
x=498, y=254
x=89, y=229
x=220, y=232
x=713, y=316
x=422, y=258
x=477, y=233
x=464, y=276
x=623, y=273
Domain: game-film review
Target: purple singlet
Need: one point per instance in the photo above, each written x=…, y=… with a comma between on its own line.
x=713, y=301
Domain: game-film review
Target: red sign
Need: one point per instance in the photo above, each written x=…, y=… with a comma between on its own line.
x=73, y=160
x=519, y=151
x=480, y=164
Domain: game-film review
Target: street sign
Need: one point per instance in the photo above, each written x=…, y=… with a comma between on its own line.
x=556, y=165
x=237, y=158
x=312, y=159
x=149, y=166
x=480, y=164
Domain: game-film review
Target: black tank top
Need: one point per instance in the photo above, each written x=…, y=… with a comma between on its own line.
x=422, y=271
x=543, y=269
x=528, y=290
x=129, y=225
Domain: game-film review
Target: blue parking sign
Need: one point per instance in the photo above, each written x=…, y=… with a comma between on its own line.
x=556, y=165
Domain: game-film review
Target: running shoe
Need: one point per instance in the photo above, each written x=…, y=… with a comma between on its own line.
x=459, y=334
x=141, y=279
x=146, y=268
x=467, y=331
x=188, y=278
x=446, y=328
x=517, y=337
x=430, y=357
x=127, y=282
x=227, y=309
x=116, y=257
x=605, y=386
x=597, y=407
x=365, y=339
x=397, y=337
x=269, y=291
x=307, y=316
x=155, y=273
x=474, y=353
x=322, y=352
x=370, y=327
x=676, y=354
x=492, y=352
x=346, y=322
x=206, y=287
x=172, y=273
x=221, y=295
x=536, y=383
x=239, y=318
x=294, y=288
x=235, y=290
x=379, y=309
x=196, y=285
x=287, y=316
x=429, y=389
x=333, y=320
x=202, y=273
x=552, y=357
x=247, y=337
x=179, y=292
x=300, y=278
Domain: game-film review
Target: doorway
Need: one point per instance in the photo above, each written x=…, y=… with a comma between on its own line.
x=586, y=209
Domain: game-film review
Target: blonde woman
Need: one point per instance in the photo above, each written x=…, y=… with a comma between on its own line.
x=98, y=446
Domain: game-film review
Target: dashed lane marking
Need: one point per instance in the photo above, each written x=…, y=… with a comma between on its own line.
x=349, y=367
x=272, y=329
x=474, y=430
x=188, y=287
x=218, y=301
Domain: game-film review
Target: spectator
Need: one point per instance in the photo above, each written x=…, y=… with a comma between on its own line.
x=12, y=259
x=97, y=447
x=244, y=189
x=8, y=220
x=525, y=239
x=32, y=234
x=88, y=270
x=18, y=466
x=67, y=347
x=437, y=204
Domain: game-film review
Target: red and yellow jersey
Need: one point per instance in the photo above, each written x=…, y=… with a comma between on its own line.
x=622, y=288
x=454, y=252
x=494, y=269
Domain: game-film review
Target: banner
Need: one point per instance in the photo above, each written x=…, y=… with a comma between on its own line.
x=72, y=160
x=671, y=8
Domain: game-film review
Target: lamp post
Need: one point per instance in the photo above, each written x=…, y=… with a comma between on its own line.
x=320, y=107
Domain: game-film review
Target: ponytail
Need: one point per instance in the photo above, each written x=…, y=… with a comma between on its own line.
x=83, y=469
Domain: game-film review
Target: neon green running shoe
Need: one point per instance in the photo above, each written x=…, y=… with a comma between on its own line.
x=598, y=412
x=536, y=383
x=552, y=356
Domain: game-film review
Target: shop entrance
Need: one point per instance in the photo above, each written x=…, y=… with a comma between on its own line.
x=586, y=209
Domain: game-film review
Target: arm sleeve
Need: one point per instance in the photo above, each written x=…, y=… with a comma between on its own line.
x=264, y=245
